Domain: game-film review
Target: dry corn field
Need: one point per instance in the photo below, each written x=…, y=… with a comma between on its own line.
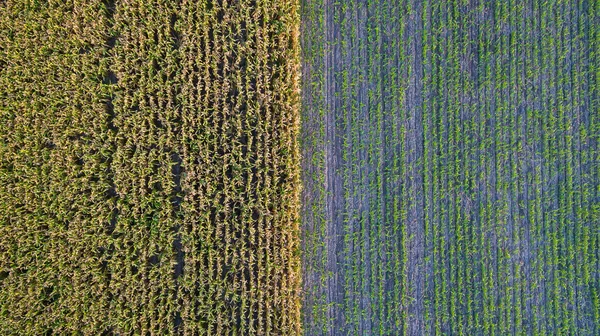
x=299, y=167
x=149, y=177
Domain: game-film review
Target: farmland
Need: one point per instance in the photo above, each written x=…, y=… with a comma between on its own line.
x=450, y=167
x=316, y=167
x=149, y=176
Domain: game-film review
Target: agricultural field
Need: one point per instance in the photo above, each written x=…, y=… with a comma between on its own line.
x=299, y=167
x=450, y=167
x=149, y=167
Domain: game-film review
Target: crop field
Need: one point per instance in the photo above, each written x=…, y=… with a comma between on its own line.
x=289, y=167
x=149, y=167
x=450, y=167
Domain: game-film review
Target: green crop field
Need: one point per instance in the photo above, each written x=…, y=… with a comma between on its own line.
x=315, y=167
x=451, y=167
